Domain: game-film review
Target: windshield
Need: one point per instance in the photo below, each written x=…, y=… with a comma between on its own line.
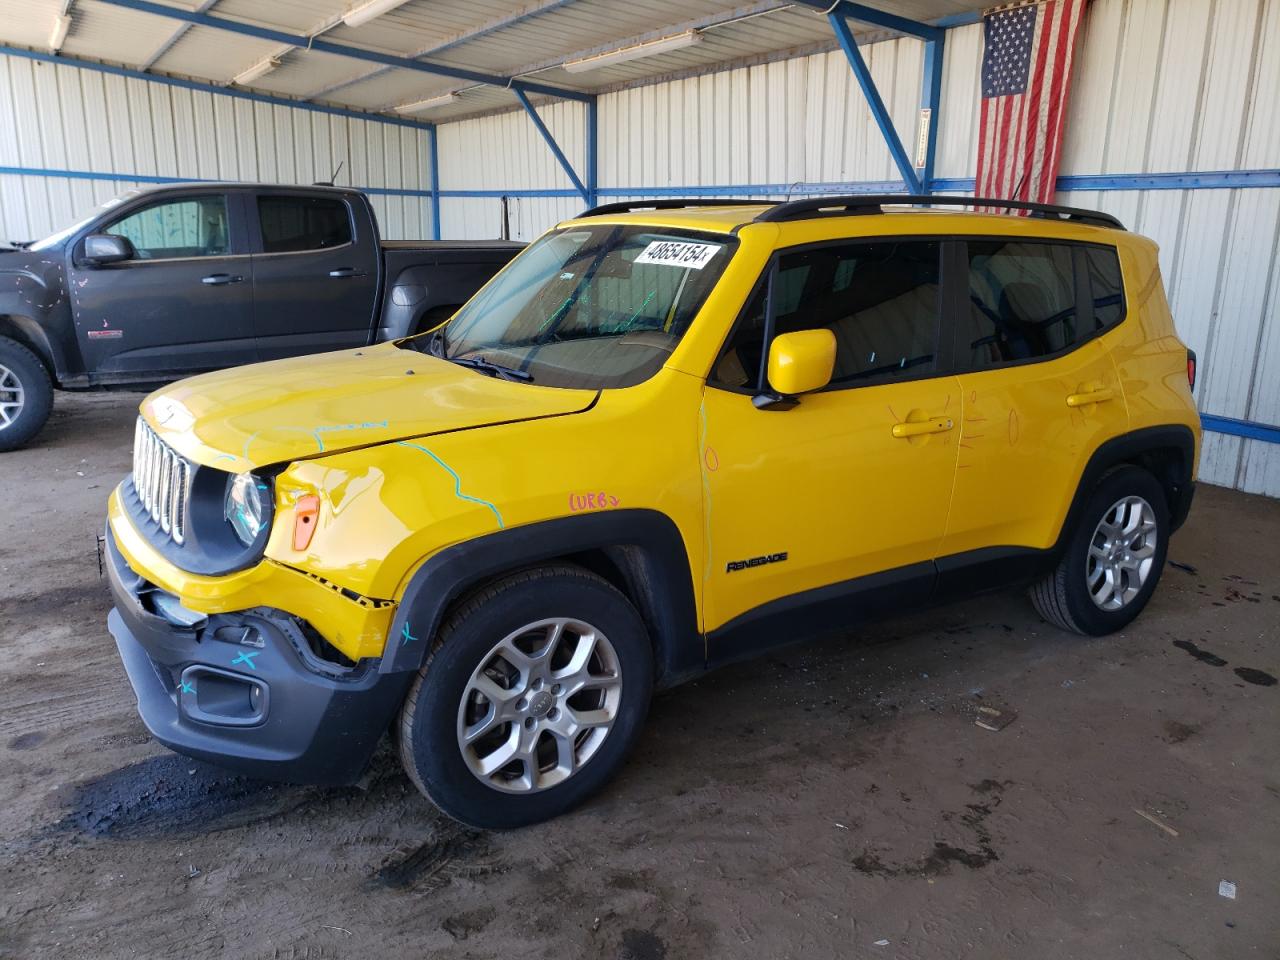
x=57, y=239
x=588, y=307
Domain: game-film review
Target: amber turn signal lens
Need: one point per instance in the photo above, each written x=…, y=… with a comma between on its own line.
x=305, y=513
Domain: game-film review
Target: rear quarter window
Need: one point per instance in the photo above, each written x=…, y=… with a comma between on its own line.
x=1106, y=286
x=1030, y=299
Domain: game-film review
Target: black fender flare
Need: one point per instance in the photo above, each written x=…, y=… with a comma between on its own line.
x=644, y=546
x=32, y=335
x=1133, y=448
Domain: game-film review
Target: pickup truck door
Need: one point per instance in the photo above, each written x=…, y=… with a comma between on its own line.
x=315, y=273
x=181, y=305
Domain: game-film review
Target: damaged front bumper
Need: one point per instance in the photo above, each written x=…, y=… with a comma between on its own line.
x=247, y=689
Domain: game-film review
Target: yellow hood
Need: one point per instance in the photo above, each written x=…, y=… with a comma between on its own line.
x=308, y=406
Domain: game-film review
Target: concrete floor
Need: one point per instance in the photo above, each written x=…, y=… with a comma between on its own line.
x=835, y=800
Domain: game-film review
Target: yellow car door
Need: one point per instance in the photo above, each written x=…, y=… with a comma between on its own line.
x=1039, y=390
x=847, y=488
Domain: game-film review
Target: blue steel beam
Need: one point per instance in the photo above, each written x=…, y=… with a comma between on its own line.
x=433, y=149
x=593, y=155
x=931, y=99
x=850, y=47
x=877, y=18
x=551, y=142
x=341, y=49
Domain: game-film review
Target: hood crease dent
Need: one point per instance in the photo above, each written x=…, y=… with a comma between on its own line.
x=307, y=407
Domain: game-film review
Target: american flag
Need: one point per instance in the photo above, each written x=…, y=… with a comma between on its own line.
x=1026, y=70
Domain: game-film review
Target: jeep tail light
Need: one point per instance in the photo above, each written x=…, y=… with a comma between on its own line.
x=305, y=513
x=1191, y=369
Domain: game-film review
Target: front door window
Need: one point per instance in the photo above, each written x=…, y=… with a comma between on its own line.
x=177, y=229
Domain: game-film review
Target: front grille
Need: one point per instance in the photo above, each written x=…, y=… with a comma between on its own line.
x=162, y=480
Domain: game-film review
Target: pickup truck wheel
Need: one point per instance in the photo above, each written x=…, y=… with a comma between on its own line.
x=1113, y=558
x=26, y=394
x=534, y=693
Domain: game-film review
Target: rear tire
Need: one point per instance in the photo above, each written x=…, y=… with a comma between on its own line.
x=26, y=394
x=568, y=669
x=1113, y=558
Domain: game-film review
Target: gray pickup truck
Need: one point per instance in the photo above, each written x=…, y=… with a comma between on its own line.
x=162, y=283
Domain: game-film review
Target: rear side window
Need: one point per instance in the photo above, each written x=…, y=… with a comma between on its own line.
x=880, y=299
x=291, y=224
x=1021, y=304
x=1106, y=286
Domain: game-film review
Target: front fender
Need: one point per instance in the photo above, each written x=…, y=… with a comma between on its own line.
x=35, y=310
x=645, y=544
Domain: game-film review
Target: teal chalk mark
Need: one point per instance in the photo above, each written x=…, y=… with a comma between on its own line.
x=406, y=636
x=457, y=481
x=247, y=659
x=344, y=426
x=627, y=326
x=186, y=687
x=226, y=456
x=315, y=432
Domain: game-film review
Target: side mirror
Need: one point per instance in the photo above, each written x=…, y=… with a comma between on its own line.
x=103, y=248
x=800, y=362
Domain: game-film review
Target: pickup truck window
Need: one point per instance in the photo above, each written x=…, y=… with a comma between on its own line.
x=187, y=227
x=59, y=237
x=291, y=224
x=591, y=307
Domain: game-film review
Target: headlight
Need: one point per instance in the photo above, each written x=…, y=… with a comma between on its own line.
x=245, y=506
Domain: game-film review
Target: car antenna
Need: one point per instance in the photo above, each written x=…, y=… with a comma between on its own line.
x=332, y=177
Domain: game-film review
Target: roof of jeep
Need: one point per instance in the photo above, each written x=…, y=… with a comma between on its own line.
x=905, y=220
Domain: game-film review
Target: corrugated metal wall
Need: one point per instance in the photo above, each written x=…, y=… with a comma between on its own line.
x=504, y=152
x=1161, y=86
x=58, y=117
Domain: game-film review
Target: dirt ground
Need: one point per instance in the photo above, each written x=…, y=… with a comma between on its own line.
x=834, y=800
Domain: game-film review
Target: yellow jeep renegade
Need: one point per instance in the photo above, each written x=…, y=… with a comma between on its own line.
x=666, y=436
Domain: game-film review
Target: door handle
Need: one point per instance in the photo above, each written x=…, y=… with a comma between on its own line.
x=342, y=273
x=1086, y=397
x=918, y=428
x=218, y=279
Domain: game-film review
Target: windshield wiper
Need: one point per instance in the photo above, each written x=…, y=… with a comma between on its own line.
x=493, y=369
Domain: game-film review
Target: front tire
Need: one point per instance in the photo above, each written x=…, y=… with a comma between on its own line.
x=1113, y=558
x=534, y=693
x=26, y=394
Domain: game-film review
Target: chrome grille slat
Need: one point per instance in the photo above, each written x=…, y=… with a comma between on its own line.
x=162, y=481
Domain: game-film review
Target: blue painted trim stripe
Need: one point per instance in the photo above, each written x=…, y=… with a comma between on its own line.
x=211, y=88
x=1207, y=180
x=1240, y=428
x=473, y=194
x=146, y=178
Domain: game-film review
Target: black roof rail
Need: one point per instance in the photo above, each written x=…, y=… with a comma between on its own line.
x=626, y=206
x=873, y=203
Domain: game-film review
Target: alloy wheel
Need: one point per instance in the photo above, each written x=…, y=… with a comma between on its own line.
x=1121, y=553
x=539, y=705
x=12, y=397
